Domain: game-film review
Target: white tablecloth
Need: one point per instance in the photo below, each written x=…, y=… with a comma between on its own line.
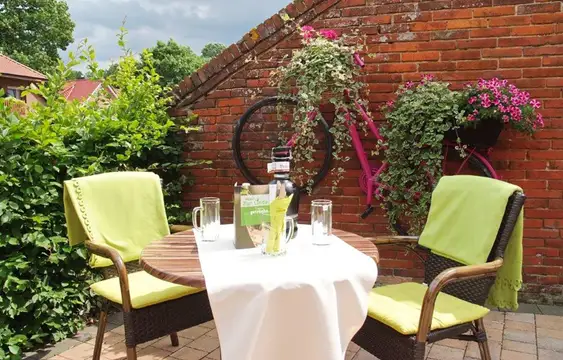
x=305, y=305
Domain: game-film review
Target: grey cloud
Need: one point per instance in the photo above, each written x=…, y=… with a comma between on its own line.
x=189, y=22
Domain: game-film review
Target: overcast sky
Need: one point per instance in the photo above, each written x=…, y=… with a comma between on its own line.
x=189, y=22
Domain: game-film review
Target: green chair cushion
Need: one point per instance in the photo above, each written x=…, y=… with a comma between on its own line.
x=145, y=290
x=398, y=306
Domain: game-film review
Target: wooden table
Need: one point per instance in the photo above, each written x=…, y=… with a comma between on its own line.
x=175, y=258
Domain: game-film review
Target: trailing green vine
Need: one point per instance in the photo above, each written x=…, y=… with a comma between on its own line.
x=416, y=123
x=326, y=66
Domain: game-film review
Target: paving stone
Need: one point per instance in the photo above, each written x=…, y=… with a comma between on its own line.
x=52, y=351
x=79, y=352
x=519, y=347
x=513, y=355
x=364, y=355
x=209, y=324
x=458, y=344
x=521, y=336
x=473, y=350
x=193, y=332
x=495, y=316
x=187, y=353
x=549, y=322
x=212, y=333
x=493, y=325
x=205, y=343
x=551, y=310
x=528, y=309
x=556, y=334
x=165, y=343
x=152, y=353
x=119, y=330
x=518, y=325
x=440, y=352
x=548, y=355
x=494, y=334
x=527, y=318
x=353, y=347
x=548, y=343
x=216, y=354
x=110, y=338
x=115, y=352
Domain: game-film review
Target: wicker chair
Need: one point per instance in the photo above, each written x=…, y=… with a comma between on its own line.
x=470, y=283
x=151, y=322
x=151, y=308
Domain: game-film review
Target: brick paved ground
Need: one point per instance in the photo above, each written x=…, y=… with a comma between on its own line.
x=535, y=335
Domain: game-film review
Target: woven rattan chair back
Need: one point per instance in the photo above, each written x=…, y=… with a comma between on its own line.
x=477, y=290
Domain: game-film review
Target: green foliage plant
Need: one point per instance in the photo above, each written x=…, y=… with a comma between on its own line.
x=325, y=66
x=416, y=123
x=44, y=295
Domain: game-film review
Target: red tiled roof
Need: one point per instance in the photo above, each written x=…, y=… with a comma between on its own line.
x=81, y=89
x=10, y=67
x=254, y=43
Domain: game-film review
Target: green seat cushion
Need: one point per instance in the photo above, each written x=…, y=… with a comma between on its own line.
x=398, y=306
x=145, y=290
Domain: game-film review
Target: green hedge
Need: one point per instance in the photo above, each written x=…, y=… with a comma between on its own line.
x=43, y=281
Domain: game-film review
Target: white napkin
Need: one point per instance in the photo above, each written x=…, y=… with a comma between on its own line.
x=307, y=304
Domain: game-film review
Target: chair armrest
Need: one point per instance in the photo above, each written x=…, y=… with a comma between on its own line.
x=179, y=228
x=396, y=240
x=444, y=278
x=113, y=255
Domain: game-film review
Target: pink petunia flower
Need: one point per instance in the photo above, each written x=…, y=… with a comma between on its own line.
x=390, y=103
x=307, y=28
x=535, y=104
x=329, y=34
x=427, y=77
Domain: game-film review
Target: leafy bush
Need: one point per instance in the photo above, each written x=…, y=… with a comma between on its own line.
x=44, y=282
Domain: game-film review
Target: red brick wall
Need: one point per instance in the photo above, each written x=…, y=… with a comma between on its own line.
x=459, y=41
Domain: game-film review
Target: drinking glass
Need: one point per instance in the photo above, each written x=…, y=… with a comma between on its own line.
x=321, y=221
x=210, y=221
x=284, y=235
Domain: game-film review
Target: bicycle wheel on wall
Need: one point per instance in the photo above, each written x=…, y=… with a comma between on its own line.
x=259, y=130
x=453, y=164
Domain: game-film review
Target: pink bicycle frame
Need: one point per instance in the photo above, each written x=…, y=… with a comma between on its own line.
x=372, y=174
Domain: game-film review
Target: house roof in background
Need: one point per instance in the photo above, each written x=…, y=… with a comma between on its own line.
x=11, y=68
x=82, y=89
x=255, y=42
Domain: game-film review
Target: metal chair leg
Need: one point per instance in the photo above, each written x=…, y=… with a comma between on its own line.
x=481, y=335
x=174, y=339
x=100, y=333
x=131, y=353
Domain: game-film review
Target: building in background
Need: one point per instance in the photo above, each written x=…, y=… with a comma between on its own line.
x=15, y=77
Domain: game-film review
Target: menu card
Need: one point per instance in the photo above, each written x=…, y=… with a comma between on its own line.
x=251, y=207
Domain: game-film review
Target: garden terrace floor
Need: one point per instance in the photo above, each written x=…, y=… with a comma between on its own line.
x=534, y=333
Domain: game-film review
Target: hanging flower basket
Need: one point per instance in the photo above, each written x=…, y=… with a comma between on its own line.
x=490, y=105
x=483, y=136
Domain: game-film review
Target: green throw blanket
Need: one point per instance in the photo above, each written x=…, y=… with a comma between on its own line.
x=463, y=222
x=123, y=210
